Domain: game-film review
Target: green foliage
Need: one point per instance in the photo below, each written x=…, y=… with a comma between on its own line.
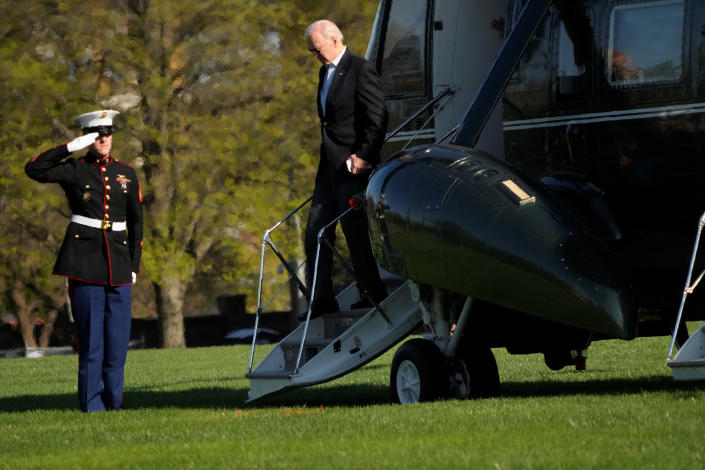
x=186, y=411
x=218, y=107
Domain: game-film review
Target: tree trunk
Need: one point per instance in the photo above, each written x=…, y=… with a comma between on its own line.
x=26, y=314
x=48, y=328
x=170, y=303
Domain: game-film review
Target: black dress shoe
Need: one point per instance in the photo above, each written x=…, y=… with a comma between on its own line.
x=320, y=308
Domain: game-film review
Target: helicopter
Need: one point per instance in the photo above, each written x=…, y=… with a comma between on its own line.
x=540, y=186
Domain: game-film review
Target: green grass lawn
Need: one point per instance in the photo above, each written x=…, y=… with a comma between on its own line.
x=185, y=410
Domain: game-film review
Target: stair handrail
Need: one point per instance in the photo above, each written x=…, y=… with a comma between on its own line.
x=267, y=240
x=355, y=203
x=448, y=90
x=688, y=286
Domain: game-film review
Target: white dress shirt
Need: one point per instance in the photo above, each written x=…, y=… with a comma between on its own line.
x=330, y=73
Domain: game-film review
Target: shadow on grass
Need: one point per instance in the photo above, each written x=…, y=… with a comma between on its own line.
x=206, y=398
x=341, y=395
x=134, y=399
x=631, y=386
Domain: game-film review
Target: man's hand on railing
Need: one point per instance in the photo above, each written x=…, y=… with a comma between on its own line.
x=356, y=165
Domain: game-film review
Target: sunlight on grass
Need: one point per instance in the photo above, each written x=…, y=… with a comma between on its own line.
x=185, y=410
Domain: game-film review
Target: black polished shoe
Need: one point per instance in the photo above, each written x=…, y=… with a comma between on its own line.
x=320, y=307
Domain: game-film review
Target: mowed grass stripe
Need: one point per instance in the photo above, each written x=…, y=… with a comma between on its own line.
x=186, y=411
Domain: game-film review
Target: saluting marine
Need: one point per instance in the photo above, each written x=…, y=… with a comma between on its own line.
x=100, y=254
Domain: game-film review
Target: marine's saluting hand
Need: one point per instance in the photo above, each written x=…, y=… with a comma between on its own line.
x=82, y=142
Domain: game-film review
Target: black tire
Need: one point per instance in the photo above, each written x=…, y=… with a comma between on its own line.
x=474, y=373
x=418, y=373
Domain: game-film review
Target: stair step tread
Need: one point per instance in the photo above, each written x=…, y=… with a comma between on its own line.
x=280, y=374
x=358, y=312
x=691, y=362
x=308, y=342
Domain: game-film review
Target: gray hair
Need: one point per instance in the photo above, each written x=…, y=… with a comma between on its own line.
x=327, y=28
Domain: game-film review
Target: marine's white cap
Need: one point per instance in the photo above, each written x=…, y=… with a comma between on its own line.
x=97, y=121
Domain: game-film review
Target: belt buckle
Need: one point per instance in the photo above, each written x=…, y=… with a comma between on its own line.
x=106, y=225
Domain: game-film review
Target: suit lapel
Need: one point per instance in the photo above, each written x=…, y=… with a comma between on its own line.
x=321, y=77
x=340, y=72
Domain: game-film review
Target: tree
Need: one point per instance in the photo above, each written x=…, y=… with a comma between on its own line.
x=209, y=131
x=220, y=123
x=33, y=217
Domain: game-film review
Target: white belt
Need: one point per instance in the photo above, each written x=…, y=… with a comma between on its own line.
x=97, y=223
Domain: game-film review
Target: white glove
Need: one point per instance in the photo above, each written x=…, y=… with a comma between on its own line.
x=134, y=277
x=82, y=142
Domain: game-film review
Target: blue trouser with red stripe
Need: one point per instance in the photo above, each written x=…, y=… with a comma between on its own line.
x=103, y=318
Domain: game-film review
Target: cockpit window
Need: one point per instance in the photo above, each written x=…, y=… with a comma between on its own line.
x=568, y=63
x=404, y=53
x=646, y=44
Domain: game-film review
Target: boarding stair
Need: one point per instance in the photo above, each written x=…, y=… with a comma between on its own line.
x=689, y=362
x=335, y=344
x=327, y=347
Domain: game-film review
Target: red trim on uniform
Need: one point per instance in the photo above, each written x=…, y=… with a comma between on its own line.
x=105, y=191
x=107, y=251
x=105, y=163
x=48, y=150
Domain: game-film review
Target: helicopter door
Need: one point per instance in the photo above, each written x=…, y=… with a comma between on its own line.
x=400, y=49
x=467, y=36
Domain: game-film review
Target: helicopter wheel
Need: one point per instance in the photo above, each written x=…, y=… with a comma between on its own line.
x=474, y=374
x=419, y=373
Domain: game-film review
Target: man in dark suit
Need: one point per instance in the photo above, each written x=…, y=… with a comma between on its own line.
x=353, y=125
x=100, y=254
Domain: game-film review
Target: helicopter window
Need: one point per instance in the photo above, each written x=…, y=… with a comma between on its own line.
x=404, y=53
x=526, y=94
x=568, y=67
x=646, y=43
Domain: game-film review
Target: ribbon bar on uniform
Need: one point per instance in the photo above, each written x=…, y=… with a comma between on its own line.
x=97, y=223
